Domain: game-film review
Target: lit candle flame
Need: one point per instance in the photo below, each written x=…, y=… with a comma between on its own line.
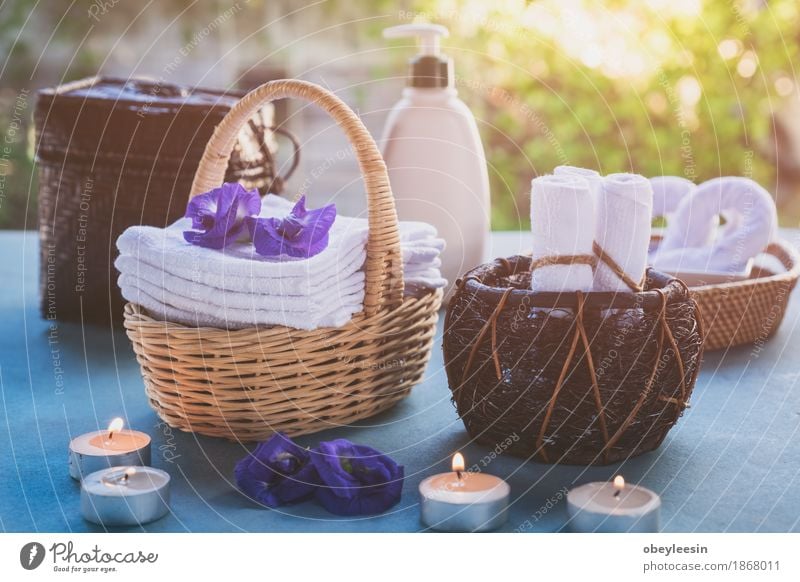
x=115, y=426
x=619, y=485
x=129, y=472
x=458, y=462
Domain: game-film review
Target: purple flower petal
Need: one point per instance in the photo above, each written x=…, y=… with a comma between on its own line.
x=302, y=233
x=278, y=472
x=356, y=479
x=218, y=215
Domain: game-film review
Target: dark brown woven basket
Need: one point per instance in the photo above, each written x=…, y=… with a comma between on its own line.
x=118, y=152
x=573, y=378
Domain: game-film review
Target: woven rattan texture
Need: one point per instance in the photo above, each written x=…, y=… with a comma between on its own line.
x=246, y=384
x=519, y=369
x=91, y=191
x=748, y=312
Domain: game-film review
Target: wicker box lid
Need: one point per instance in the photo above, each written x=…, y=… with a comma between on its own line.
x=137, y=120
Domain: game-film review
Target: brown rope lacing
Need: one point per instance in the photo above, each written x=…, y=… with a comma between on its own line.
x=614, y=266
x=581, y=335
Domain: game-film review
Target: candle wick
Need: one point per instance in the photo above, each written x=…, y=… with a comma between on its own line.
x=617, y=492
x=458, y=474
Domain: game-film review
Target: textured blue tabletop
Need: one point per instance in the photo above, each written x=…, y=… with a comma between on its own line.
x=732, y=463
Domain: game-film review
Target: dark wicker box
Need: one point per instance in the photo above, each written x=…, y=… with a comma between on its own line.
x=114, y=153
x=572, y=378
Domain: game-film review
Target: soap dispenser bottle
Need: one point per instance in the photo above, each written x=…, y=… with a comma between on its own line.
x=437, y=166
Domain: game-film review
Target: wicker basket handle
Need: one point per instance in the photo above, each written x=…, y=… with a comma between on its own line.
x=384, y=269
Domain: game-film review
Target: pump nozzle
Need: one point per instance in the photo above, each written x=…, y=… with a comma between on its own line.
x=429, y=68
x=428, y=35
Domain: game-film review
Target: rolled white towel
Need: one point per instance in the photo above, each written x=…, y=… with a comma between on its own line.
x=751, y=222
x=562, y=219
x=592, y=176
x=623, y=229
x=668, y=191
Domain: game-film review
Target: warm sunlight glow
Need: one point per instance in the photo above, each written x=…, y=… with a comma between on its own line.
x=729, y=48
x=747, y=65
x=689, y=91
x=784, y=86
x=458, y=462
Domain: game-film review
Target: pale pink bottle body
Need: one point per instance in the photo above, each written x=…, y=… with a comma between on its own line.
x=437, y=169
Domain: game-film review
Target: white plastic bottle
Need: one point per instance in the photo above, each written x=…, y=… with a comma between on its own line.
x=436, y=162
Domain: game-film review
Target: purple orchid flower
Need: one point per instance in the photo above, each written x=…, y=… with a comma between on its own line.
x=303, y=233
x=278, y=472
x=218, y=216
x=356, y=479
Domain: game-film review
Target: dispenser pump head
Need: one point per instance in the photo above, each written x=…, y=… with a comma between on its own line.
x=429, y=68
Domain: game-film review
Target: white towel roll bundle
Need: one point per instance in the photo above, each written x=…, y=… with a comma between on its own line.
x=593, y=177
x=690, y=242
x=562, y=219
x=668, y=192
x=623, y=229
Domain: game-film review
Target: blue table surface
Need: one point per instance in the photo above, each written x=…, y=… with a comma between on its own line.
x=732, y=463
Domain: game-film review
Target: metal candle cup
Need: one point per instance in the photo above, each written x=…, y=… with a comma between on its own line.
x=464, y=502
x=113, y=447
x=125, y=496
x=613, y=507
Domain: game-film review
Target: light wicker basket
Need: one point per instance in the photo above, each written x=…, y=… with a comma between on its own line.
x=246, y=384
x=747, y=312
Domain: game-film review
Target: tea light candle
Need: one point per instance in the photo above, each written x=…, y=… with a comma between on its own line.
x=464, y=502
x=613, y=507
x=125, y=495
x=113, y=447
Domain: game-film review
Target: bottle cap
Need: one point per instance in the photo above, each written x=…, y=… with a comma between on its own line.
x=429, y=68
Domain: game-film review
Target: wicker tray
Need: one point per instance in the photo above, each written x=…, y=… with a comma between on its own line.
x=747, y=312
x=245, y=384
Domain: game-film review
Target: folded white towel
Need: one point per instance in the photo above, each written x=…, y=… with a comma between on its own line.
x=186, y=294
x=235, y=287
x=194, y=273
x=751, y=223
x=623, y=229
x=167, y=247
x=562, y=223
x=231, y=318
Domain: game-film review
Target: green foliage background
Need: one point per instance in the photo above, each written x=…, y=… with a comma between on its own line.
x=540, y=102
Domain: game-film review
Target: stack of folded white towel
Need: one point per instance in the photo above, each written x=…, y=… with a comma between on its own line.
x=235, y=287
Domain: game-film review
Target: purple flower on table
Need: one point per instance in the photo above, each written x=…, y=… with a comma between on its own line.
x=356, y=479
x=278, y=472
x=302, y=233
x=218, y=216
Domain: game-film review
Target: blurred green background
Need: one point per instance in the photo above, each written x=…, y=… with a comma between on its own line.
x=697, y=88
